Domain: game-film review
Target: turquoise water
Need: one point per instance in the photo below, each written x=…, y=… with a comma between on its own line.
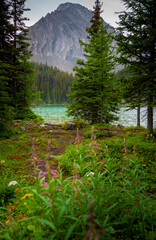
x=52, y=113
x=57, y=114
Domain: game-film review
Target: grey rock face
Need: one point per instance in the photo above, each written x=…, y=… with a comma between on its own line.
x=55, y=38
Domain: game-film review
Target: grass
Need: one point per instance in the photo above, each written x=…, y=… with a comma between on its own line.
x=102, y=188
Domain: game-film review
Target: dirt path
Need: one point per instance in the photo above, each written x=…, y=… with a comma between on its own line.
x=42, y=133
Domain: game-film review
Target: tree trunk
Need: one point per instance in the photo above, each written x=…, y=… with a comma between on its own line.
x=138, y=116
x=149, y=120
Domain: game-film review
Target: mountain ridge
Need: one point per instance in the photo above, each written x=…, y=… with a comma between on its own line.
x=55, y=37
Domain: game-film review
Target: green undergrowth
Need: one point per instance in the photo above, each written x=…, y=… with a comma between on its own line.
x=102, y=188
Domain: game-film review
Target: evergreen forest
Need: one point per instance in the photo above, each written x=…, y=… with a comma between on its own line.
x=52, y=84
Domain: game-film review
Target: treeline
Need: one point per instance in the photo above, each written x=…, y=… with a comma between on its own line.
x=52, y=84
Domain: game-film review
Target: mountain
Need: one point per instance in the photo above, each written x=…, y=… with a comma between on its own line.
x=55, y=37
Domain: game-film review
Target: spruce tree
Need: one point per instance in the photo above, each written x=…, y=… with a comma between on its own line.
x=93, y=96
x=16, y=71
x=6, y=111
x=21, y=79
x=137, y=41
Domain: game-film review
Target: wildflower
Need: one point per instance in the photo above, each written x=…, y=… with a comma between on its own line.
x=12, y=183
x=11, y=207
x=42, y=194
x=84, y=194
x=126, y=210
x=2, y=162
x=26, y=195
x=16, y=203
x=17, y=190
x=89, y=174
x=7, y=221
x=20, y=216
x=50, y=202
x=44, y=185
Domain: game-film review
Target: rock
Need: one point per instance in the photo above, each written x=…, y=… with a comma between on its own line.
x=23, y=128
x=119, y=126
x=42, y=125
x=70, y=126
x=49, y=124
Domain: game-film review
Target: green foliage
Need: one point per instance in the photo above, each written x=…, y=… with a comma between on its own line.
x=7, y=132
x=136, y=47
x=27, y=114
x=16, y=74
x=106, y=199
x=7, y=195
x=106, y=192
x=94, y=92
x=52, y=84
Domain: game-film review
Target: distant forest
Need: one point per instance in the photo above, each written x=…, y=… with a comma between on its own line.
x=52, y=84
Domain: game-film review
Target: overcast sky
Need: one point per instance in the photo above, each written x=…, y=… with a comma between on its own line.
x=40, y=8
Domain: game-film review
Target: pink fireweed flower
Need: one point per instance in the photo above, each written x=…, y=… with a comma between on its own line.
x=42, y=194
x=58, y=187
x=84, y=194
x=44, y=185
x=29, y=165
x=81, y=179
x=56, y=176
x=54, y=173
x=100, y=231
x=50, y=202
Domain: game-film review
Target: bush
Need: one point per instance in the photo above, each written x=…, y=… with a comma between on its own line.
x=7, y=195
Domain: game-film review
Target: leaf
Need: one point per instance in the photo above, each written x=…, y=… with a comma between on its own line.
x=31, y=228
x=48, y=223
x=70, y=231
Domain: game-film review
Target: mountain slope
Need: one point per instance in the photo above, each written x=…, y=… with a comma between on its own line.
x=55, y=38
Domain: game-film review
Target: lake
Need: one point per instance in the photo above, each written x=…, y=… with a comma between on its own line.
x=57, y=114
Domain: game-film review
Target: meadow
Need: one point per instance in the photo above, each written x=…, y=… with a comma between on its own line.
x=101, y=187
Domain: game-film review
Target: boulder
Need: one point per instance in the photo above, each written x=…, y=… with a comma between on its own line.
x=70, y=126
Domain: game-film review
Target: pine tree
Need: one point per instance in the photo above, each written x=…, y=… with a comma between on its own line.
x=93, y=96
x=16, y=71
x=20, y=56
x=6, y=111
x=136, y=41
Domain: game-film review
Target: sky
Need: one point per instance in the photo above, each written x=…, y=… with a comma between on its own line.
x=40, y=8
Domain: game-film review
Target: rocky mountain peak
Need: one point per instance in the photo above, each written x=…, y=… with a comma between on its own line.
x=55, y=37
